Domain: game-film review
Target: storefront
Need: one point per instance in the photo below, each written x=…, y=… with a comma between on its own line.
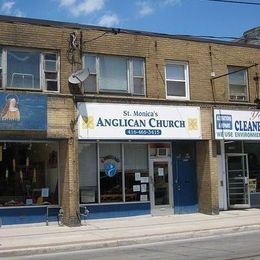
x=137, y=159
x=238, y=133
x=29, y=167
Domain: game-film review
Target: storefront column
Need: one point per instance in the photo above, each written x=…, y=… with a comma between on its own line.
x=69, y=182
x=207, y=177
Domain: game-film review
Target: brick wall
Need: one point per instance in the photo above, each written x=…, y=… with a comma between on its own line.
x=155, y=49
x=207, y=177
x=202, y=57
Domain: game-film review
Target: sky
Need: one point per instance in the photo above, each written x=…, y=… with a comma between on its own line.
x=175, y=17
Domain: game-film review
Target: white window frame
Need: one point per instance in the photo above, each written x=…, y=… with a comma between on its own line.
x=246, y=79
x=42, y=72
x=130, y=76
x=43, y=86
x=186, y=81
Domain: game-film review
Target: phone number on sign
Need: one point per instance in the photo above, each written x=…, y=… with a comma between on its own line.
x=143, y=132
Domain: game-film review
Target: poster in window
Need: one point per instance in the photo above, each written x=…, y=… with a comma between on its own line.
x=136, y=188
x=144, y=179
x=143, y=188
x=45, y=192
x=161, y=172
x=143, y=197
x=137, y=176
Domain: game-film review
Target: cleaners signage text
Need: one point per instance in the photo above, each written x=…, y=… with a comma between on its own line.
x=237, y=125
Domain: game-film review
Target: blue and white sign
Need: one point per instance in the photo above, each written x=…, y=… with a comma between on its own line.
x=110, y=169
x=122, y=121
x=236, y=125
x=23, y=111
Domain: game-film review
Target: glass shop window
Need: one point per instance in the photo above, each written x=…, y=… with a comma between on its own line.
x=88, y=173
x=29, y=174
x=253, y=151
x=136, y=172
x=110, y=173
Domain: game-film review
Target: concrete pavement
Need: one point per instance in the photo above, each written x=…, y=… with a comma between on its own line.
x=39, y=238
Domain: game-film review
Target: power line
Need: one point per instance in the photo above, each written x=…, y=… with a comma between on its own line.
x=235, y=2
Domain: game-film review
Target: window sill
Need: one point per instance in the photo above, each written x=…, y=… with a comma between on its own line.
x=177, y=98
x=108, y=93
x=238, y=101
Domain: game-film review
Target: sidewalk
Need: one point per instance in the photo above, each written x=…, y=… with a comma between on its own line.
x=32, y=239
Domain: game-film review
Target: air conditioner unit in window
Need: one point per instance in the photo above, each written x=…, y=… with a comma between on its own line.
x=162, y=152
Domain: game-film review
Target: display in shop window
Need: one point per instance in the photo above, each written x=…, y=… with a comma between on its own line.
x=26, y=178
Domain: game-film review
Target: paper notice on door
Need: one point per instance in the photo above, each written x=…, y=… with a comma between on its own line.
x=160, y=171
x=143, y=198
x=143, y=187
x=136, y=188
x=137, y=176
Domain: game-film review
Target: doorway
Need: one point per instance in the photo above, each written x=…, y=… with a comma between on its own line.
x=237, y=180
x=161, y=186
x=185, y=178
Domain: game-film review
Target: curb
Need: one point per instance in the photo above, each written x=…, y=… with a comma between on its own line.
x=123, y=241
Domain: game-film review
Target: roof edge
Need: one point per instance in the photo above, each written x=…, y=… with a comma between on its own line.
x=78, y=26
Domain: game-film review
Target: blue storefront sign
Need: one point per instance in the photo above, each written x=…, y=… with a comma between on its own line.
x=23, y=111
x=237, y=124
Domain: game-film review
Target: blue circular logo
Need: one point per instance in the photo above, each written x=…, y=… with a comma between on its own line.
x=110, y=169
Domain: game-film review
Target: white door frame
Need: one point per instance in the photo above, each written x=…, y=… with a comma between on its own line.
x=246, y=179
x=161, y=209
x=222, y=177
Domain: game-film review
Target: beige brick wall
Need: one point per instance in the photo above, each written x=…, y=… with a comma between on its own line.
x=156, y=50
x=60, y=117
x=207, y=177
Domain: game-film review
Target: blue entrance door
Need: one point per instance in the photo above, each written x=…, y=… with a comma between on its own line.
x=184, y=178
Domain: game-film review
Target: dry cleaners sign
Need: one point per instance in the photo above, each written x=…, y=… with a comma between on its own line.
x=237, y=125
x=117, y=121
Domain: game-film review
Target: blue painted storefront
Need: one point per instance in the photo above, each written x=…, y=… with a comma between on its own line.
x=118, y=210
x=28, y=215
x=38, y=214
x=184, y=192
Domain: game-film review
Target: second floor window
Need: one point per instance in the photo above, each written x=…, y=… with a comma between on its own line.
x=115, y=74
x=237, y=78
x=177, y=81
x=29, y=69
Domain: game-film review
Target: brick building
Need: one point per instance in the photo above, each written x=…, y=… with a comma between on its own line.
x=149, y=131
